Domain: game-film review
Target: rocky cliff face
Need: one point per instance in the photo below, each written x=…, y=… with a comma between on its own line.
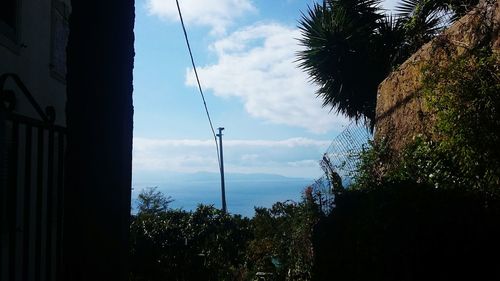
x=401, y=113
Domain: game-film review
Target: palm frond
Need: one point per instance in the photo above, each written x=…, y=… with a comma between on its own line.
x=350, y=46
x=338, y=57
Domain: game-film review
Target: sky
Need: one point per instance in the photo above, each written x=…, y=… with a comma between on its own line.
x=245, y=52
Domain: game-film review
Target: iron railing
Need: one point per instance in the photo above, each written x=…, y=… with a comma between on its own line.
x=32, y=185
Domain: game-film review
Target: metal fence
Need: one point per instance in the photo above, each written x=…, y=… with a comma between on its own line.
x=339, y=163
x=32, y=181
x=343, y=152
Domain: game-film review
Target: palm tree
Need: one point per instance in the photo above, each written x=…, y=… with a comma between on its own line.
x=422, y=20
x=350, y=46
x=340, y=54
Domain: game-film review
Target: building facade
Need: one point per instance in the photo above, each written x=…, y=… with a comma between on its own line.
x=33, y=40
x=66, y=118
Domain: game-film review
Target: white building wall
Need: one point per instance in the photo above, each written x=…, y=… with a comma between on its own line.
x=36, y=54
x=31, y=54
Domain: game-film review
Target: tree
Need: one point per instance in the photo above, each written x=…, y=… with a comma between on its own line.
x=152, y=201
x=219, y=240
x=350, y=46
x=170, y=244
x=282, y=239
x=347, y=43
x=422, y=20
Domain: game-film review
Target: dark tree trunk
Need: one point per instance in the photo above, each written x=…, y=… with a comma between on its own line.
x=100, y=121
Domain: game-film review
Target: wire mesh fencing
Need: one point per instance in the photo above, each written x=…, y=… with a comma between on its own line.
x=339, y=164
x=342, y=156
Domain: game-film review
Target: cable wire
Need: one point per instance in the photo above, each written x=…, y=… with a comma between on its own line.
x=198, y=81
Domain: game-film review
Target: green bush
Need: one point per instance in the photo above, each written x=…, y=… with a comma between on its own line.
x=466, y=99
x=462, y=151
x=406, y=231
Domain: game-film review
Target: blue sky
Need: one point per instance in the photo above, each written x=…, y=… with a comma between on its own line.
x=245, y=52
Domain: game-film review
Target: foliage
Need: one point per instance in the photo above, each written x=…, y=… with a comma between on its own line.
x=434, y=210
x=343, y=54
x=374, y=162
x=466, y=98
x=221, y=240
x=430, y=212
x=422, y=20
x=462, y=150
x=282, y=243
x=152, y=201
x=208, y=244
x=158, y=249
x=351, y=46
x=167, y=244
x=332, y=176
x=406, y=231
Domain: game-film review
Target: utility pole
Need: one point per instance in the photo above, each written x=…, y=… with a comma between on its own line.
x=222, y=183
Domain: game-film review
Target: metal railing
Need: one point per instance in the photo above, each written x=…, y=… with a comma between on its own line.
x=32, y=185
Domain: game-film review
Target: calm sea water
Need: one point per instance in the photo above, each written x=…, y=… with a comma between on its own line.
x=242, y=195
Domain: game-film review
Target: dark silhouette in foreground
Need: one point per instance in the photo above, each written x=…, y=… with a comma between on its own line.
x=407, y=231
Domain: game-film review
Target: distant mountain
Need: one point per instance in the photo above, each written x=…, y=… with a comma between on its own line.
x=208, y=176
x=205, y=176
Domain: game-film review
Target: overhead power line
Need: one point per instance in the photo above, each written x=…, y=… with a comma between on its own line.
x=198, y=82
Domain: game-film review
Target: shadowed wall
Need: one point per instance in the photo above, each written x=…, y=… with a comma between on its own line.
x=99, y=120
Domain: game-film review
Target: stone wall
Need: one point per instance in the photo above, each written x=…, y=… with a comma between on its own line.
x=401, y=113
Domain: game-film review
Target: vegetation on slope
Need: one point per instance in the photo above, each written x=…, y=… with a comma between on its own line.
x=350, y=46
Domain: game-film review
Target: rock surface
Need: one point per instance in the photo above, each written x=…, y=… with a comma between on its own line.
x=401, y=113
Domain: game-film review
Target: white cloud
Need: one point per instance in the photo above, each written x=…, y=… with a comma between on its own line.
x=146, y=144
x=250, y=157
x=304, y=163
x=216, y=14
x=257, y=64
x=290, y=157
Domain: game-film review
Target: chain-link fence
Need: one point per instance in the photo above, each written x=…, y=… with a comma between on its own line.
x=339, y=164
x=343, y=153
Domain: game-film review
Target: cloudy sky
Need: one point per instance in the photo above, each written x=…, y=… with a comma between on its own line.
x=245, y=52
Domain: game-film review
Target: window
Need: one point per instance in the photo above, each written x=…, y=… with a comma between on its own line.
x=8, y=18
x=60, y=33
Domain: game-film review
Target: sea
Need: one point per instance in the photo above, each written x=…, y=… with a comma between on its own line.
x=244, y=192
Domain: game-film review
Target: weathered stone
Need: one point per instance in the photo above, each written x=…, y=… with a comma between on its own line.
x=401, y=113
